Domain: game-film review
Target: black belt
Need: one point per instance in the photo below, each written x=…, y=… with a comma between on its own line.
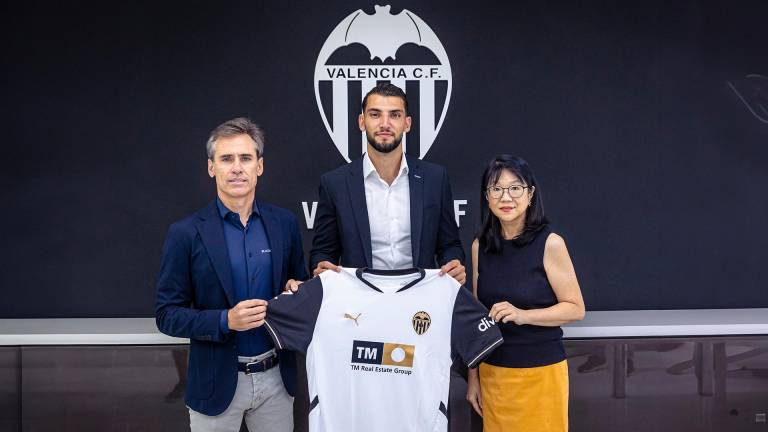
x=258, y=366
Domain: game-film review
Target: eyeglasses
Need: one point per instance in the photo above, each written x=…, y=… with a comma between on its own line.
x=515, y=191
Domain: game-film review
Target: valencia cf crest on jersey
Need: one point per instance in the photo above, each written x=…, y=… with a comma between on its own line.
x=421, y=322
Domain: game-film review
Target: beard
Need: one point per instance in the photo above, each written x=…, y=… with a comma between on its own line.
x=383, y=147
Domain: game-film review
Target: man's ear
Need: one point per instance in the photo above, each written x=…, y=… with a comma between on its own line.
x=211, y=172
x=260, y=167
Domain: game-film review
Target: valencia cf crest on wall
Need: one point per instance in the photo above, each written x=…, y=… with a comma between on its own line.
x=421, y=322
x=364, y=50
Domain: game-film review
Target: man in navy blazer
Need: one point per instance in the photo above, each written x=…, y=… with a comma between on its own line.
x=219, y=268
x=386, y=210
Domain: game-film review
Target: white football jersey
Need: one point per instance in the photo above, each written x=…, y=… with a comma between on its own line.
x=379, y=346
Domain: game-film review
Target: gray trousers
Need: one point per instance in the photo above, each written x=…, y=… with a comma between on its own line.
x=260, y=398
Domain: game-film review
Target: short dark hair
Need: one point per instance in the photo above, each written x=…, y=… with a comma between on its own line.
x=386, y=89
x=236, y=126
x=490, y=234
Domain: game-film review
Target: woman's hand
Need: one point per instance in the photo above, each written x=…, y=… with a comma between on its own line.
x=473, y=391
x=506, y=312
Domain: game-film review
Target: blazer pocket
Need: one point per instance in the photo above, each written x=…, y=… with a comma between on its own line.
x=201, y=371
x=431, y=212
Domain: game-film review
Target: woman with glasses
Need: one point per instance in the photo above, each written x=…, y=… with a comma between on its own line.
x=522, y=272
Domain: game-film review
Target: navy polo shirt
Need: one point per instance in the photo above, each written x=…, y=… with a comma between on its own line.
x=250, y=258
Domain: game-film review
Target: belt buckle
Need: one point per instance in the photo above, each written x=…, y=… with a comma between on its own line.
x=248, y=366
x=262, y=364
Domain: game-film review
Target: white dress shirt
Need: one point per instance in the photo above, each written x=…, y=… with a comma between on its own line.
x=389, y=217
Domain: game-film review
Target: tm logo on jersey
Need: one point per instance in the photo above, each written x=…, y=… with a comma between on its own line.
x=382, y=354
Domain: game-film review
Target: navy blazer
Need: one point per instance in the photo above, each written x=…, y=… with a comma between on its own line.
x=195, y=285
x=342, y=230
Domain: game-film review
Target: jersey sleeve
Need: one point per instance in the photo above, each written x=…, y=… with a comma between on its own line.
x=291, y=318
x=474, y=335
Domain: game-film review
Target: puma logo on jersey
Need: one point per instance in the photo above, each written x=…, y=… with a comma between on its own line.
x=485, y=324
x=353, y=318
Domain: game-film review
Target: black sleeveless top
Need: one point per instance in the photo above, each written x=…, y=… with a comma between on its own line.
x=517, y=275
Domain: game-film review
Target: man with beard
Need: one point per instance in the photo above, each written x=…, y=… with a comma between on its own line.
x=386, y=210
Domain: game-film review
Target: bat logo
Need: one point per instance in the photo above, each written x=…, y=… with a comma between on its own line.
x=752, y=90
x=363, y=50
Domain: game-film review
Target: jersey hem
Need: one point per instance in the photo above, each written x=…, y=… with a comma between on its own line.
x=485, y=352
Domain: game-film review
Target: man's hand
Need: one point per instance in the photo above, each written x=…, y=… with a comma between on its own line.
x=455, y=270
x=247, y=314
x=292, y=286
x=474, y=397
x=325, y=265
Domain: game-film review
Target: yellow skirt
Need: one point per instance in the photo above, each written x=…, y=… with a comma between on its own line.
x=525, y=399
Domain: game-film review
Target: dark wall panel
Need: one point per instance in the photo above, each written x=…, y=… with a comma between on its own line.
x=713, y=383
x=10, y=389
x=107, y=388
x=646, y=124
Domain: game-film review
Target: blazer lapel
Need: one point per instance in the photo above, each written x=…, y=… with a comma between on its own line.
x=274, y=233
x=416, y=186
x=212, y=234
x=356, y=185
